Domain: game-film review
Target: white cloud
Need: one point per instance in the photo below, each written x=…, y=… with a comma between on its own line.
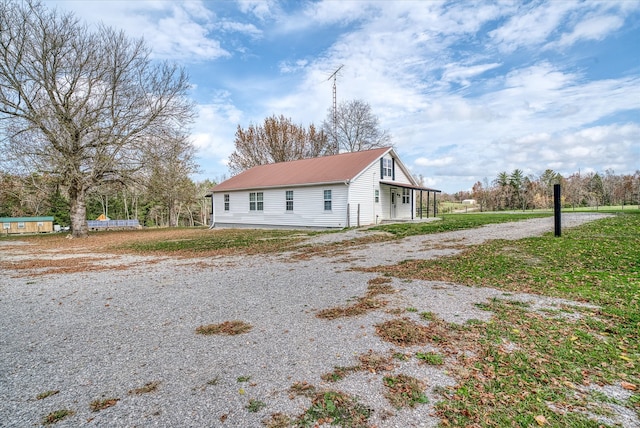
x=179, y=36
x=174, y=30
x=594, y=28
x=262, y=9
x=324, y=13
x=462, y=74
x=532, y=24
x=238, y=27
x=293, y=66
x=448, y=160
x=214, y=131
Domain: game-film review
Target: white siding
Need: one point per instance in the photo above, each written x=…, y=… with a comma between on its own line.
x=308, y=207
x=362, y=193
x=400, y=176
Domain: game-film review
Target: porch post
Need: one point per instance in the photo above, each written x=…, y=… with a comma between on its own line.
x=427, y=205
x=434, y=204
x=413, y=205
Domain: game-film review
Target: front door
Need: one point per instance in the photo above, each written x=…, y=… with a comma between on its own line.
x=394, y=203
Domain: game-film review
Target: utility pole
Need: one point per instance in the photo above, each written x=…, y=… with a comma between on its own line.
x=334, y=76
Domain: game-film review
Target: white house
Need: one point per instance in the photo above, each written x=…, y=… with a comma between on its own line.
x=349, y=189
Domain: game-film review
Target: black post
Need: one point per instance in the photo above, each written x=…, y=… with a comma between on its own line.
x=557, y=209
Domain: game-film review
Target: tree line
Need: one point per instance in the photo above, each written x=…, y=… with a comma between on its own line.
x=178, y=203
x=515, y=191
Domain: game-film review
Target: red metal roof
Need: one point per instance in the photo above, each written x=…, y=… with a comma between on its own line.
x=326, y=169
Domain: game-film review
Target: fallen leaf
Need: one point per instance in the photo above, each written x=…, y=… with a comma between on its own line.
x=628, y=386
x=241, y=391
x=541, y=420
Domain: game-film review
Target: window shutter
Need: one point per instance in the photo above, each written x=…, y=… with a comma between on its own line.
x=381, y=169
x=393, y=169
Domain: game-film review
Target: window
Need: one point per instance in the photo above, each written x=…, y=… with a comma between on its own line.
x=21, y=225
x=226, y=202
x=327, y=200
x=376, y=195
x=256, y=201
x=289, y=200
x=40, y=224
x=6, y=225
x=406, y=196
x=387, y=167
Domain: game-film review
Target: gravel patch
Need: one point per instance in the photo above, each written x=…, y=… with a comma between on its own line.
x=101, y=334
x=449, y=243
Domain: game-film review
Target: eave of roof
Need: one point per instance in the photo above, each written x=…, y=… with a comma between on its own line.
x=339, y=168
x=25, y=219
x=409, y=186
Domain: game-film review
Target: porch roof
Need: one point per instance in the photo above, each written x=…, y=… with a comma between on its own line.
x=409, y=186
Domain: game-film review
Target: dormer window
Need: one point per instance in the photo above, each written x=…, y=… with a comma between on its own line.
x=387, y=167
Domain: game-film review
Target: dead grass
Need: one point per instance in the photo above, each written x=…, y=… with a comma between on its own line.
x=335, y=408
x=57, y=416
x=227, y=328
x=403, y=332
x=368, y=302
x=147, y=388
x=339, y=373
x=105, y=241
x=404, y=391
x=98, y=405
x=302, y=388
x=43, y=266
x=127, y=242
x=371, y=362
x=374, y=362
x=277, y=420
x=46, y=394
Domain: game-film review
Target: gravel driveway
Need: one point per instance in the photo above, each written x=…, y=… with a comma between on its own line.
x=100, y=335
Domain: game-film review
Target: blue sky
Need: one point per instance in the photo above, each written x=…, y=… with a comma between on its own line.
x=466, y=89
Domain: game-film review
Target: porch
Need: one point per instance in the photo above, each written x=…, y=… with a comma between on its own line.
x=421, y=202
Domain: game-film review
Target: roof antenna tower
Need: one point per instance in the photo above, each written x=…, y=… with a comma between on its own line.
x=334, y=76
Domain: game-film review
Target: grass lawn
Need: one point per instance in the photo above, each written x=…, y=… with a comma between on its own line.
x=528, y=368
x=451, y=222
x=248, y=241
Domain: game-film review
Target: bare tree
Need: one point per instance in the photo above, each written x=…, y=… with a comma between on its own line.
x=277, y=140
x=355, y=128
x=79, y=104
x=170, y=161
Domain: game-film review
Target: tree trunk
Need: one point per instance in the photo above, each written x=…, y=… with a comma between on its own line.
x=173, y=214
x=78, y=208
x=126, y=207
